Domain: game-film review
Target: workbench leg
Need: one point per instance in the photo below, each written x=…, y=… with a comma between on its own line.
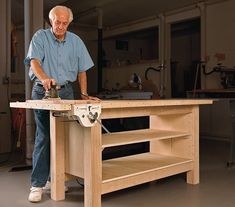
x=193, y=175
x=57, y=158
x=92, y=166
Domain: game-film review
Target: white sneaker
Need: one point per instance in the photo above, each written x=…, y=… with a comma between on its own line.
x=47, y=187
x=35, y=194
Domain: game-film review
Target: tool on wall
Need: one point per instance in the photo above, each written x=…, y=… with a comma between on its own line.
x=157, y=87
x=158, y=69
x=135, y=81
x=227, y=75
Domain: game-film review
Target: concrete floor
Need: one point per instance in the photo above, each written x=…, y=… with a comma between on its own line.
x=216, y=188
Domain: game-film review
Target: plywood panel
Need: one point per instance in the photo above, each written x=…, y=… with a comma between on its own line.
x=128, y=171
x=137, y=136
x=74, y=148
x=150, y=103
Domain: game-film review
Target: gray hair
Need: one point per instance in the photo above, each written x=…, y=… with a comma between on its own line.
x=52, y=12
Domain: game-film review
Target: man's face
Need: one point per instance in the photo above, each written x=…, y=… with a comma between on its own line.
x=60, y=23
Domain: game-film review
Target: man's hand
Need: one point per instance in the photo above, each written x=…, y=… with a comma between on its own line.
x=87, y=97
x=48, y=82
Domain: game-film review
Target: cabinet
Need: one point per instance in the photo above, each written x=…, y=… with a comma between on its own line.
x=173, y=136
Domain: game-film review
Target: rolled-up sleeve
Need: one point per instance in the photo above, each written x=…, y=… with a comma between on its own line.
x=36, y=50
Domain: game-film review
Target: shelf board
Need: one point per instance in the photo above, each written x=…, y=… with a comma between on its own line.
x=137, y=136
x=136, y=164
x=122, y=172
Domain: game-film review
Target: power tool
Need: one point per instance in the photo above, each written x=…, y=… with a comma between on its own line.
x=52, y=93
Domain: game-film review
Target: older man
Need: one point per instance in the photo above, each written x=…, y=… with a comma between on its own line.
x=55, y=56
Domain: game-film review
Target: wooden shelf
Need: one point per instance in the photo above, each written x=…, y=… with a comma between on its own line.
x=141, y=168
x=137, y=136
x=147, y=62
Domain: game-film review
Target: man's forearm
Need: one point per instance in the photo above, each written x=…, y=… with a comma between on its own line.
x=37, y=70
x=83, y=86
x=83, y=82
x=41, y=75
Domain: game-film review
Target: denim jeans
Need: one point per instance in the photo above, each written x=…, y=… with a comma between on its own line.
x=41, y=153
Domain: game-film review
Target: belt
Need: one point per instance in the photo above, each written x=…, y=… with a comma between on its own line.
x=61, y=86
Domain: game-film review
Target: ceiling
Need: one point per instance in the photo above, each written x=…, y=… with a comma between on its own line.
x=114, y=11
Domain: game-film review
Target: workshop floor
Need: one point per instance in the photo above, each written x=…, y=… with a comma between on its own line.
x=216, y=188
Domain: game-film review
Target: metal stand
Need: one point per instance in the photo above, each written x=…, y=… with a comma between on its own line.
x=230, y=162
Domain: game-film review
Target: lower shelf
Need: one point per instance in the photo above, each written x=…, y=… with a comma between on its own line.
x=128, y=171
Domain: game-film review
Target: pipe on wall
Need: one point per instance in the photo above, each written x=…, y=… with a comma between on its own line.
x=100, y=49
x=29, y=114
x=202, y=8
x=33, y=20
x=162, y=54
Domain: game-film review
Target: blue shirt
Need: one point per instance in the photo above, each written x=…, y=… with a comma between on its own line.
x=61, y=60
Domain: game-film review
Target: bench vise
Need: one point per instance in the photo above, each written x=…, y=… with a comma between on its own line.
x=86, y=114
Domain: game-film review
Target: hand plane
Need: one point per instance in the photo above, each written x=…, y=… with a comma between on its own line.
x=52, y=93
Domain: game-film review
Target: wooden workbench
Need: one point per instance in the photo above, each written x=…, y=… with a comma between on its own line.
x=77, y=151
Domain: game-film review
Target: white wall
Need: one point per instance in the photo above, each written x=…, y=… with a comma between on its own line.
x=220, y=37
x=220, y=34
x=132, y=55
x=120, y=75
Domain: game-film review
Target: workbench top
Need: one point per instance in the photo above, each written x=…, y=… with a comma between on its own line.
x=66, y=105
